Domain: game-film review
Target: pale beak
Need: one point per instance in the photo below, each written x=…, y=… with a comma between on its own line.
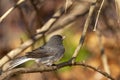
x=63, y=37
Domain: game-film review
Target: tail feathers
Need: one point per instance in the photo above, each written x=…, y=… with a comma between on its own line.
x=15, y=62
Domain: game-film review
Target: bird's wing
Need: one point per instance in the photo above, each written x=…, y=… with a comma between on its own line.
x=39, y=53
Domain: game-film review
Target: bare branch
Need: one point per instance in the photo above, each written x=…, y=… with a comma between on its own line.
x=117, y=5
x=51, y=68
x=98, y=15
x=67, y=2
x=92, y=7
x=10, y=10
x=103, y=55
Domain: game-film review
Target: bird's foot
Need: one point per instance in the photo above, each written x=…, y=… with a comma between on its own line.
x=54, y=64
x=72, y=60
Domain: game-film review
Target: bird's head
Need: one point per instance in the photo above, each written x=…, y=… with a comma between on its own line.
x=56, y=40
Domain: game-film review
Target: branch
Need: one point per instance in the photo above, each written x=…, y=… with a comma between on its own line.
x=10, y=10
x=102, y=51
x=67, y=2
x=117, y=6
x=98, y=15
x=92, y=7
x=51, y=68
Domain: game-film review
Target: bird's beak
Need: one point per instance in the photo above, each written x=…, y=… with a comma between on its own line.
x=63, y=37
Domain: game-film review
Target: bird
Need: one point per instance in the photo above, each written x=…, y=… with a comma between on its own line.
x=47, y=54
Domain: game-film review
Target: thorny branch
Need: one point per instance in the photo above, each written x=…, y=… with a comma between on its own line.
x=51, y=68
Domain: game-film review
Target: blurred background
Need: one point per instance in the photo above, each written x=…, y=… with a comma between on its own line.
x=22, y=23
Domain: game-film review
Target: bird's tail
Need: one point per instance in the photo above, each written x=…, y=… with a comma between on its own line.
x=15, y=62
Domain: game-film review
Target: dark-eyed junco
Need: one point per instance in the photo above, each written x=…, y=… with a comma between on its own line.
x=47, y=54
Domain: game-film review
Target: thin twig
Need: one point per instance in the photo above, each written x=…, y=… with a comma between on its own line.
x=117, y=6
x=87, y=1
x=103, y=55
x=95, y=27
x=92, y=7
x=67, y=2
x=51, y=68
x=10, y=10
x=44, y=39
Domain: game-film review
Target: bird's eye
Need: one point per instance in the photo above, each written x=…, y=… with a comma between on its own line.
x=41, y=47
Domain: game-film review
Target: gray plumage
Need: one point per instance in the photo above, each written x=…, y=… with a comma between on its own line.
x=47, y=54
